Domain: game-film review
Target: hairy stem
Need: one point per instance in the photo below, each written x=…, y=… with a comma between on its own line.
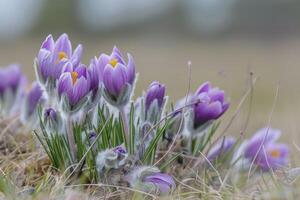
x=71, y=138
x=125, y=124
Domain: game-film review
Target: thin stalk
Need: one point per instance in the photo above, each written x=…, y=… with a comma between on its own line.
x=125, y=123
x=71, y=138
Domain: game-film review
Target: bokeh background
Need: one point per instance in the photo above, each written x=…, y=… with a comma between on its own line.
x=224, y=40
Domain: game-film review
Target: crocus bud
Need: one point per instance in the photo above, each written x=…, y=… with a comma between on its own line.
x=150, y=179
x=31, y=102
x=53, y=55
x=208, y=105
x=73, y=87
x=221, y=148
x=12, y=85
x=263, y=150
x=154, y=101
x=118, y=78
x=111, y=159
x=53, y=121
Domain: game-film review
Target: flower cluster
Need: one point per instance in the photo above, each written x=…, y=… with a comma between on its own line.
x=87, y=113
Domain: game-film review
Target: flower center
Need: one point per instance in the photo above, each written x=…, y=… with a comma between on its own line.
x=74, y=77
x=62, y=55
x=275, y=153
x=113, y=62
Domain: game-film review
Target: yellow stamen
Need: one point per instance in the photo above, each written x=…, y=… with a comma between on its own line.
x=275, y=153
x=74, y=77
x=62, y=55
x=113, y=62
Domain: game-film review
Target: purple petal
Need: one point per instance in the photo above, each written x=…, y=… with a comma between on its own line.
x=34, y=97
x=263, y=136
x=77, y=55
x=65, y=84
x=63, y=44
x=205, y=112
x=222, y=147
x=205, y=87
x=131, y=69
x=48, y=43
x=79, y=91
x=216, y=95
x=108, y=80
x=119, y=78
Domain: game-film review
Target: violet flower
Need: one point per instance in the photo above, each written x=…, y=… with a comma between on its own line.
x=10, y=79
x=118, y=77
x=154, y=102
x=221, y=147
x=74, y=85
x=155, y=93
x=208, y=104
x=150, y=179
x=12, y=89
x=53, y=55
x=211, y=106
x=263, y=150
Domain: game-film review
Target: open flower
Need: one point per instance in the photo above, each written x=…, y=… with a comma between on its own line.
x=74, y=85
x=118, y=77
x=53, y=55
x=150, y=179
x=263, y=150
x=221, y=147
x=12, y=85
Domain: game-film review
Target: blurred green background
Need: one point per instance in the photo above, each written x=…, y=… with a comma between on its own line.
x=224, y=40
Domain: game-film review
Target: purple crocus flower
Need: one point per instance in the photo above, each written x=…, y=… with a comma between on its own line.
x=53, y=55
x=263, y=150
x=221, y=147
x=74, y=83
x=150, y=179
x=155, y=92
x=10, y=78
x=118, y=77
x=210, y=104
x=33, y=98
x=163, y=182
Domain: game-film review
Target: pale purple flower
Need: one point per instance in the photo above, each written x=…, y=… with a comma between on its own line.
x=155, y=92
x=222, y=147
x=263, y=150
x=210, y=104
x=150, y=179
x=164, y=182
x=53, y=55
x=10, y=78
x=34, y=97
x=117, y=74
x=74, y=83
